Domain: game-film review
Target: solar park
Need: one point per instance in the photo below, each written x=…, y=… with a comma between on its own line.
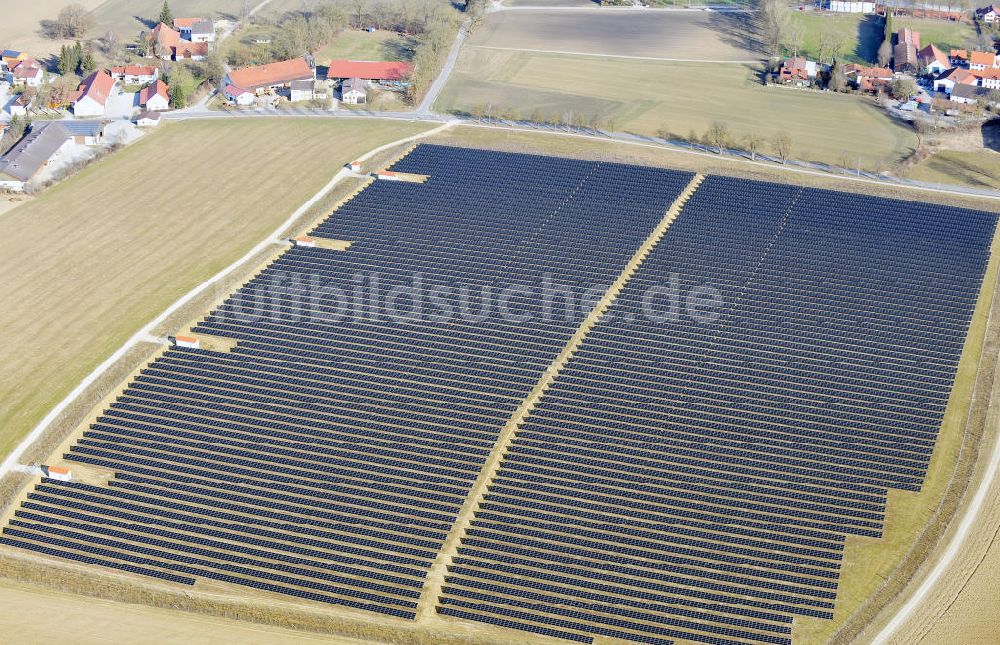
x=626, y=478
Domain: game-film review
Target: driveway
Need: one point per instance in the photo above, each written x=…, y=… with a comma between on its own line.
x=121, y=106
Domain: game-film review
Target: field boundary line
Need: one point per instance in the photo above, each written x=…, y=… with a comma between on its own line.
x=624, y=56
x=143, y=333
x=434, y=582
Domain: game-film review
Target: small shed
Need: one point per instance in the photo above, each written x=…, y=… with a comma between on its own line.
x=355, y=166
x=59, y=473
x=187, y=341
x=302, y=90
x=148, y=119
x=305, y=240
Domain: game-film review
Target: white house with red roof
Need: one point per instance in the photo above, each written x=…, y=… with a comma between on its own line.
x=956, y=76
x=92, y=97
x=262, y=79
x=392, y=73
x=135, y=74
x=238, y=95
x=155, y=97
x=933, y=60
x=983, y=60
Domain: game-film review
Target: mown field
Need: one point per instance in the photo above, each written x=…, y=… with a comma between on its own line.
x=978, y=168
x=943, y=33
x=354, y=44
x=860, y=34
x=686, y=35
x=652, y=97
x=91, y=260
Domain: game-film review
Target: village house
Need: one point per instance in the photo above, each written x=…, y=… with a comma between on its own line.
x=304, y=91
x=135, y=74
x=43, y=144
x=952, y=77
x=155, y=97
x=989, y=78
x=147, y=119
x=238, y=95
x=387, y=74
x=265, y=79
x=869, y=79
x=904, y=52
x=983, y=60
x=196, y=30
x=12, y=57
x=85, y=133
x=933, y=60
x=968, y=94
x=797, y=71
x=185, y=50
x=353, y=92
x=92, y=96
x=26, y=73
x=162, y=41
x=20, y=105
x=989, y=14
x=959, y=58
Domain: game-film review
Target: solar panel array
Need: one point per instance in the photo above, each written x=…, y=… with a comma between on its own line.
x=695, y=477
x=326, y=458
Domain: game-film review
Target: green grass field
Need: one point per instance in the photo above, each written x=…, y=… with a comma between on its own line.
x=354, y=44
x=978, y=169
x=943, y=33
x=650, y=97
x=91, y=260
x=864, y=33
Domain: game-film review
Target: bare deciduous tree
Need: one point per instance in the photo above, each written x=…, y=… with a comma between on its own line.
x=718, y=135
x=781, y=143
x=74, y=21
x=753, y=142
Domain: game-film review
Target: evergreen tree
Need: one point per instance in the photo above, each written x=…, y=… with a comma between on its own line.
x=78, y=57
x=64, y=65
x=88, y=64
x=166, y=16
x=178, y=96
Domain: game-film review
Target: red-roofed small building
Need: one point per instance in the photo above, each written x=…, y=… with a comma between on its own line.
x=238, y=95
x=797, y=71
x=989, y=78
x=155, y=97
x=393, y=74
x=185, y=50
x=982, y=60
x=92, y=97
x=933, y=60
x=135, y=74
x=959, y=58
x=262, y=79
x=869, y=79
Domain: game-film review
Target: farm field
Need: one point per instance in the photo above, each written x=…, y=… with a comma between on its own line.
x=978, y=169
x=20, y=26
x=680, y=35
x=651, y=97
x=863, y=33
x=89, y=621
x=943, y=33
x=177, y=217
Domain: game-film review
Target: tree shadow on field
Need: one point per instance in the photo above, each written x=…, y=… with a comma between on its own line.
x=991, y=135
x=400, y=48
x=736, y=30
x=869, y=38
